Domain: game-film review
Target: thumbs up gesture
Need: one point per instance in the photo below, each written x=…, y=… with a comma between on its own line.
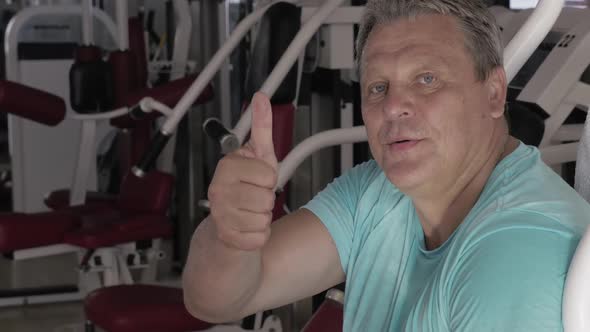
x=241, y=194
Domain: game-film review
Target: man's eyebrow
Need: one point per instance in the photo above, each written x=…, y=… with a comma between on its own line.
x=410, y=62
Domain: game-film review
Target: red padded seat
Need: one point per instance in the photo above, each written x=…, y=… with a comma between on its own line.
x=22, y=231
x=95, y=201
x=104, y=233
x=140, y=214
x=140, y=308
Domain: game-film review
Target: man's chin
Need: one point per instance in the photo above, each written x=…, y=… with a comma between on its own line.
x=407, y=178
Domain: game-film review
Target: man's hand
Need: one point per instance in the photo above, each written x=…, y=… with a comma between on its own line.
x=241, y=194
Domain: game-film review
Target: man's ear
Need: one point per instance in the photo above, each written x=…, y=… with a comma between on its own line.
x=496, y=86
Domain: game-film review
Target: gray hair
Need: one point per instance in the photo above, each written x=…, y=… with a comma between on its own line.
x=481, y=32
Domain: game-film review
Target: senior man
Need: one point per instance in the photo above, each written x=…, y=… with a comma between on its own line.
x=454, y=226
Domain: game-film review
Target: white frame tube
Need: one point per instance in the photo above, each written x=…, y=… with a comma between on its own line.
x=313, y=143
x=86, y=153
x=287, y=60
x=532, y=33
x=224, y=89
x=180, y=54
x=122, y=13
x=149, y=104
x=99, y=116
x=182, y=38
x=212, y=67
x=87, y=23
x=560, y=153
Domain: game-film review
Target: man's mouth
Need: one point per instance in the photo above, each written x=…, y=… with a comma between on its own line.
x=403, y=145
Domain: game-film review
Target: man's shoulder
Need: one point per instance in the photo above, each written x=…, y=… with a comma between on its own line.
x=515, y=226
x=526, y=194
x=500, y=272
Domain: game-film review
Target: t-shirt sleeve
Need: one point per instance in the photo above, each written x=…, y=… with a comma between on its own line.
x=336, y=206
x=512, y=281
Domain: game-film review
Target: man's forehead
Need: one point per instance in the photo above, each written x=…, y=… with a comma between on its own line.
x=425, y=38
x=412, y=56
x=424, y=30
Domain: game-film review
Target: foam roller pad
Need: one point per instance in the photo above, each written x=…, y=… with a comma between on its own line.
x=30, y=103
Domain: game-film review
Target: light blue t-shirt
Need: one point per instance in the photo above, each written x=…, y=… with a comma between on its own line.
x=503, y=269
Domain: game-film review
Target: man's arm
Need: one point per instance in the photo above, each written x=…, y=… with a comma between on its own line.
x=239, y=264
x=223, y=284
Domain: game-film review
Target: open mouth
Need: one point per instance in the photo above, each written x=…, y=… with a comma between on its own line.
x=403, y=145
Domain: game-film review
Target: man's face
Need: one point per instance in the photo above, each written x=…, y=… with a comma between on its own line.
x=428, y=118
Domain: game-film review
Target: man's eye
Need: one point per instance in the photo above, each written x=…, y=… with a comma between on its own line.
x=427, y=79
x=377, y=88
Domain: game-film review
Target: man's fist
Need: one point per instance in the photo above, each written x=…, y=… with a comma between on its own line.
x=241, y=194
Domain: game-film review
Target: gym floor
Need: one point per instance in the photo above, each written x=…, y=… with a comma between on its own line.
x=55, y=317
x=63, y=317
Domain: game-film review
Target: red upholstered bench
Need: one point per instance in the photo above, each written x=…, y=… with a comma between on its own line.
x=139, y=308
x=139, y=213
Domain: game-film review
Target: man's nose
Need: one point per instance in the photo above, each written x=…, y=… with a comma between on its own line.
x=398, y=104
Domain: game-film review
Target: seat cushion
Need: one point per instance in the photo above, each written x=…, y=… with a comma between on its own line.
x=105, y=233
x=140, y=308
x=24, y=231
x=95, y=202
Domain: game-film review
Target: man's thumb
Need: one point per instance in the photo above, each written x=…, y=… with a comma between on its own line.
x=261, y=132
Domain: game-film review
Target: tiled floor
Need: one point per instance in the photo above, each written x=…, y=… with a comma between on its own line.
x=62, y=317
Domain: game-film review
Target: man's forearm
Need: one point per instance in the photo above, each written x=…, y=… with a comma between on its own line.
x=219, y=281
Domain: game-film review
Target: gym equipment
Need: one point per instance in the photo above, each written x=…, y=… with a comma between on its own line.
x=551, y=82
x=134, y=216
x=33, y=148
x=269, y=86
x=111, y=235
